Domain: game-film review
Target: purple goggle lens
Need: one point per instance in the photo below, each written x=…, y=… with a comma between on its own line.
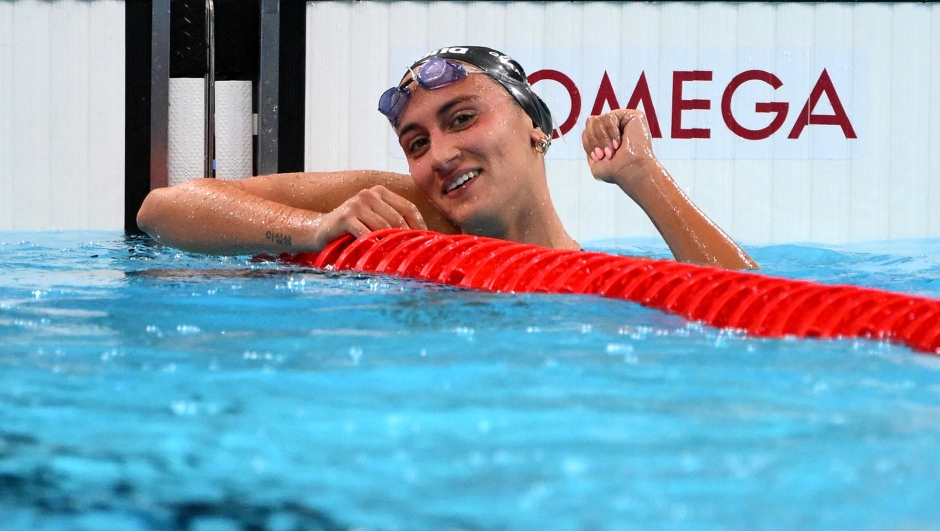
x=434, y=74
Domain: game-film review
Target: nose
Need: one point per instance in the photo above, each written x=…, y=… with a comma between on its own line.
x=444, y=154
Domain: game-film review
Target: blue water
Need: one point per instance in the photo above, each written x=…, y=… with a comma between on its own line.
x=142, y=388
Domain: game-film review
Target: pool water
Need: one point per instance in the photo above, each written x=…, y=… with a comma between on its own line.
x=142, y=388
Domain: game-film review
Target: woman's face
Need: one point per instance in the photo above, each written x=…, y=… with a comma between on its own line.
x=470, y=151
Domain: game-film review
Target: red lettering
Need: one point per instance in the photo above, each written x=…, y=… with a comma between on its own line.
x=573, y=93
x=605, y=94
x=641, y=94
x=780, y=108
x=642, y=97
x=679, y=104
x=807, y=117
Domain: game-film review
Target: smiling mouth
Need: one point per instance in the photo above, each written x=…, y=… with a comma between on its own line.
x=462, y=180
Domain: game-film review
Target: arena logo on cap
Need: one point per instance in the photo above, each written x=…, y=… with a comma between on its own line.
x=457, y=49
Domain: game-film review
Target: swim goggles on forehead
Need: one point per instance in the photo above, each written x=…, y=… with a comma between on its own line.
x=433, y=74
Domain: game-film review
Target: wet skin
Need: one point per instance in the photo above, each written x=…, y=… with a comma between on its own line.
x=470, y=127
x=474, y=127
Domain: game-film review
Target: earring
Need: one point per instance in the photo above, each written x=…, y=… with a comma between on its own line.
x=543, y=144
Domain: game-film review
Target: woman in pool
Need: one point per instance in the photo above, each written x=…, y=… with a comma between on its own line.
x=475, y=136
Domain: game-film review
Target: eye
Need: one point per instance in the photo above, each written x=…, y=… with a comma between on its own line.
x=417, y=144
x=463, y=119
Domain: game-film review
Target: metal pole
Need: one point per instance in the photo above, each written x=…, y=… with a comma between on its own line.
x=159, y=93
x=210, y=89
x=268, y=86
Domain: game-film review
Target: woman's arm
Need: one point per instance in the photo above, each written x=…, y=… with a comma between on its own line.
x=284, y=213
x=620, y=151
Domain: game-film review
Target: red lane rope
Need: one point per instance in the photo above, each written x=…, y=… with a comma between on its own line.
x=761, y=305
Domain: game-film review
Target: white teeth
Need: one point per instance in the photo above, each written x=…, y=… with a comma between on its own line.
x=460, y=181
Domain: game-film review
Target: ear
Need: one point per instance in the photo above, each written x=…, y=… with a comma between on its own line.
x=535, y=135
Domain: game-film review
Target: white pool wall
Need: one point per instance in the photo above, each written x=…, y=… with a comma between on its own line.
x=61, y=114
x=822, y=187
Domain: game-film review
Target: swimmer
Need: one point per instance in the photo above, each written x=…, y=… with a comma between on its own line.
x=475, y=137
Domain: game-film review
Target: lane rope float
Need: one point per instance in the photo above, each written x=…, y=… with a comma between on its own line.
x=761, y=305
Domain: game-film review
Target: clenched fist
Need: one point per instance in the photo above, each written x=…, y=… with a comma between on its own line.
x=618, y=146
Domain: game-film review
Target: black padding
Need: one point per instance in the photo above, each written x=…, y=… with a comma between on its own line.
x=292, y=86
x=137, y=30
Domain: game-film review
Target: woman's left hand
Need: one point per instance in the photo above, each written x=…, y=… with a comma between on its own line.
x=618, y=145
x=619, y=150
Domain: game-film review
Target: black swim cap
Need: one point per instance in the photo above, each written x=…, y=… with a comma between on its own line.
x=505, y=71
